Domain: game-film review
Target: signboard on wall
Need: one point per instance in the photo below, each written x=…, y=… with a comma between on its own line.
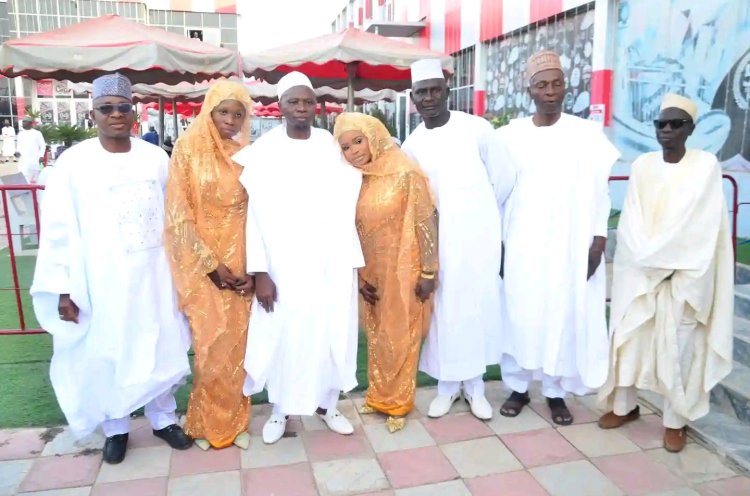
x=597, y=112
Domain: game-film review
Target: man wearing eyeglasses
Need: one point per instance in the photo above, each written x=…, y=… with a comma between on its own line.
x=102, y=285
x=673, y=287
x=556, y=229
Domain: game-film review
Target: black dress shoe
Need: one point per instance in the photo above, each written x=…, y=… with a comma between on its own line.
x=175, y=437
x=114, y=448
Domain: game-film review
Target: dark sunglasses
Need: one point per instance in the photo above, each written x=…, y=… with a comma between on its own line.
x=673, y=123
x=108, y=108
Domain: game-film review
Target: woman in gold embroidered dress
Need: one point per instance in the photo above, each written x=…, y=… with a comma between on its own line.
x=205, y=233
x=397, y=225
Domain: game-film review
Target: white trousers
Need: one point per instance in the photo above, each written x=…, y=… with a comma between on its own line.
x=160, y=412
x=626, y=398
x=473, y=387
x=519, y=379
x=31, y=174
x=329, y=402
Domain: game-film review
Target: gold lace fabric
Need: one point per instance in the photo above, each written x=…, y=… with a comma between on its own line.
x=205, y=226
x=397, y=225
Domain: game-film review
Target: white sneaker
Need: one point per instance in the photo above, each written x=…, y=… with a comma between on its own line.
x=441, y=405
x=480, y=407
x=337, y=422
x=274, y=428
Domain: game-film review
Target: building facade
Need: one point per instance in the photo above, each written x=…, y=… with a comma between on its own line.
x=619, y=56
x=213, y=21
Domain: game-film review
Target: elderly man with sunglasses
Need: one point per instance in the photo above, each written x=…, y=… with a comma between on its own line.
x=673, y=287
x=102, y=285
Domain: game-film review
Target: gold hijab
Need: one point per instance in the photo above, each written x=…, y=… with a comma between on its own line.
x=386, y=158
x=202, y=138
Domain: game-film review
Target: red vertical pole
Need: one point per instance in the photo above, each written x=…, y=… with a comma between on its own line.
x=13, y=268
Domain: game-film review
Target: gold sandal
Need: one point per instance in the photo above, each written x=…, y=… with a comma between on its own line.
x=367, y=409
x=395, y=424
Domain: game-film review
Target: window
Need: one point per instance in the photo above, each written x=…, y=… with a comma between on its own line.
x=176, y=18
x=211, y=20
x=462, y=82
x=193, y=19
x=228, y=21
x=229, y=36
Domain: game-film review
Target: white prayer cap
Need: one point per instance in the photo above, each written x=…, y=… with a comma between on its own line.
x=294, y=78
x=673, y=100
x=424, y=69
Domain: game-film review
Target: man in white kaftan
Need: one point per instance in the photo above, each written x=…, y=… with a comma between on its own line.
x=9, y=141
x=303, y=248
x=455, y=150
x=554, y=289
x=673, y=288
x=30, y=147
x=102, y=285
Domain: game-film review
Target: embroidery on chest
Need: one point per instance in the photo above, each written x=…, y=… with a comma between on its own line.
x=139, y=213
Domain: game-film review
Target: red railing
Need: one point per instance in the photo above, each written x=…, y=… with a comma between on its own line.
x=18, y=290
x=9, y=235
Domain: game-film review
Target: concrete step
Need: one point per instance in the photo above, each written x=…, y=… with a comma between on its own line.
x=724, y=434
x=732, y=395
x=742, y=341
x=742, y=301
x=742, y=272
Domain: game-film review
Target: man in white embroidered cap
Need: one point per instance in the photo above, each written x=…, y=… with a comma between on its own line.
x=303, y=249
x=673, y=287
x=470, y=184
x=102, y=285
x=554, y=287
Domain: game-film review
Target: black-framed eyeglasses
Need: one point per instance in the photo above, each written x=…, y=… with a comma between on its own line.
x=108, y=108
x=673, y=123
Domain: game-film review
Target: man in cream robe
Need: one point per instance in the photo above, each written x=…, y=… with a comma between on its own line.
x=102, y=286
x=672, y=294
x=303, y=249
x=455, y=150
x=556, y=226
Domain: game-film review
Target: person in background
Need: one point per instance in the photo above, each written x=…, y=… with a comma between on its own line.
x=102, y=286
x=30, y=148
x=168, y=146
x=554, y=285
x=397, y=225
x=9, y=141
x=205, y=233
x=454, y=151
x=673, y=287
x=152, y=136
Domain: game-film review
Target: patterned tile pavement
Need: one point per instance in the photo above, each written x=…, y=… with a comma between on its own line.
x=456, y=455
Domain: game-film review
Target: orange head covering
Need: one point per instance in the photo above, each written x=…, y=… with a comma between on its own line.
x=203, y=137
x=386, y=157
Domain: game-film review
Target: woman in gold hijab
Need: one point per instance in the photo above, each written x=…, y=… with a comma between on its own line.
x=397, y=225
x=205, y=233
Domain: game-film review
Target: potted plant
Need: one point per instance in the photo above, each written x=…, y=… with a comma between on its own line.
x=69, y=135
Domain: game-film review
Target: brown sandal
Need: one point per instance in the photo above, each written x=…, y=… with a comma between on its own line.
x=675, y=439
x=514, y=404
x=559, y=411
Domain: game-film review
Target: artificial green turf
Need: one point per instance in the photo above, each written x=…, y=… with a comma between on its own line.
x=28, y=399
x=8, y=306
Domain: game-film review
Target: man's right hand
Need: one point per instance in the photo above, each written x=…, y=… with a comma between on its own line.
x=265, y=291
x=223, y=278
x=67, y=310
x=369, y=293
